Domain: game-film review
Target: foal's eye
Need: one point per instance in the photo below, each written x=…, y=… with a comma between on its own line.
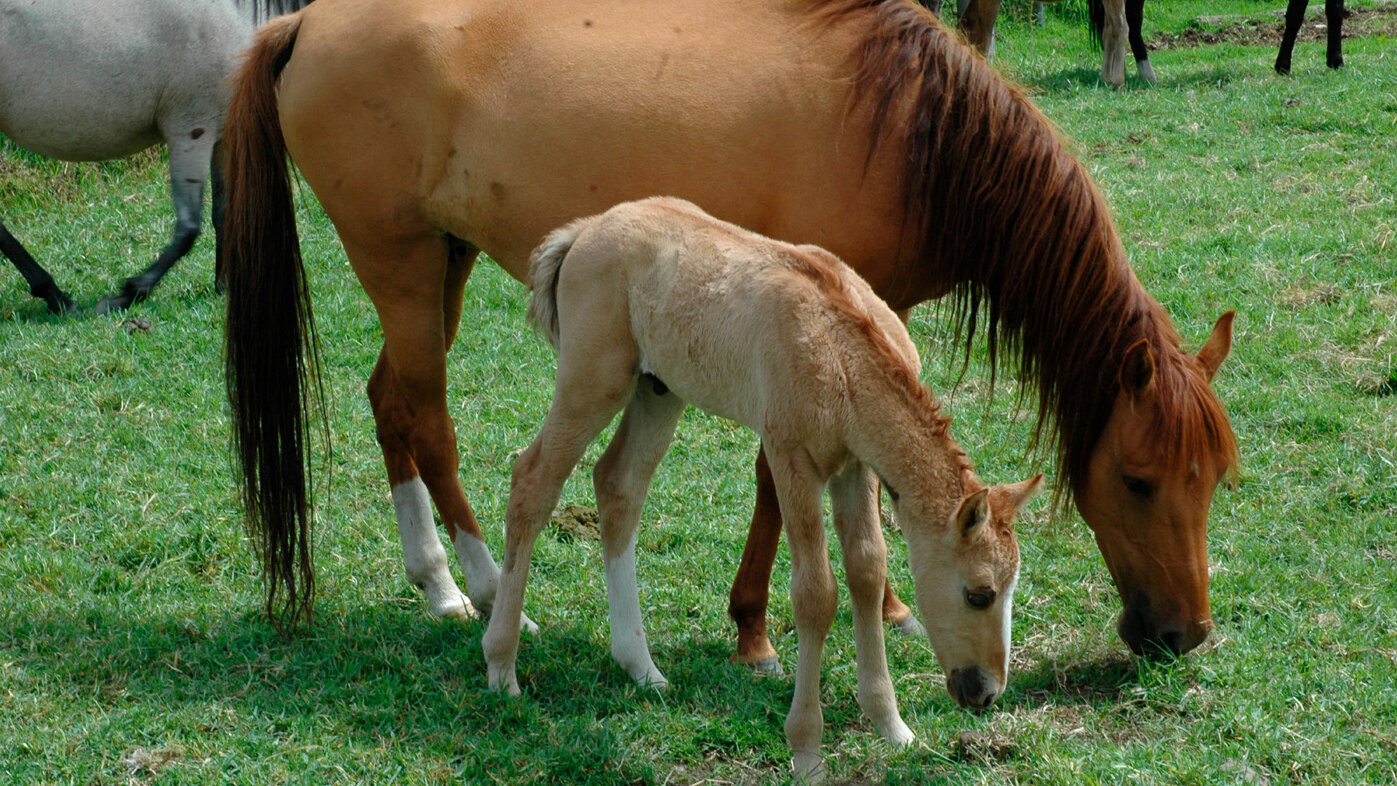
x=979, y=599
x=1138, y=486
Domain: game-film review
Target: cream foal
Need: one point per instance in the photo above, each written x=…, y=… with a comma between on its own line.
x=654, y=305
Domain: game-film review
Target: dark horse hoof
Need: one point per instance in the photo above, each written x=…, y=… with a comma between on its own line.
x=130, y=295
x=60, y=304
x=1283, y=67
x=1336, y=62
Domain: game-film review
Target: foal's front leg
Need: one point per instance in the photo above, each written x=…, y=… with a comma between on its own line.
x=621, y=480
x=799, y=489
x=854, y=498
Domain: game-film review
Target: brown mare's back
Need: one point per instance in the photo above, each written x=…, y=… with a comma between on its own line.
x=520, y=120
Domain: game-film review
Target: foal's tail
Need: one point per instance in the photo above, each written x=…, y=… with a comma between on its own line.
x=269, y=330
x=544, y=265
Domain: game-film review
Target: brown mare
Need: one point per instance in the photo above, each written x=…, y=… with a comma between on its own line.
x=654, y=305
x=1113, y=23
x=433, y=130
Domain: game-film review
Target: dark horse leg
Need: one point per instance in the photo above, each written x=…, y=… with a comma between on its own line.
x=190, y=158
x=41, y=284
x=1294, y=17
x=1134, y=20
x=1334, y=17
x=751, y=587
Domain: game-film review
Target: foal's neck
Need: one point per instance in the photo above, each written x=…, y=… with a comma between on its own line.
x=898, y=429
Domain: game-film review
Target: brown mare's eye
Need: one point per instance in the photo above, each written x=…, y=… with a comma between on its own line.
x=979, y=599
x=1138, y=486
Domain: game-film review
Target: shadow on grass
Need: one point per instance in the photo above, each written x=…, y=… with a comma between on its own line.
x=368, y=674
x=1093, y=682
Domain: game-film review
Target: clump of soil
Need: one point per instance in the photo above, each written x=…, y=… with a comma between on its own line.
x=1358, y=22
x=576, y=522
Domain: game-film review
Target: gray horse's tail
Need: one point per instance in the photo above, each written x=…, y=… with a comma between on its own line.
x=270, y=349
x=544, y=265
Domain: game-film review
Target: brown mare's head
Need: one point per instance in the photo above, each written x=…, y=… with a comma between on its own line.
x=1148, y=485
x=1008, y=221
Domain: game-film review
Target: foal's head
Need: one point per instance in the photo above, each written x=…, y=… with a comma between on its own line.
x=965, y=574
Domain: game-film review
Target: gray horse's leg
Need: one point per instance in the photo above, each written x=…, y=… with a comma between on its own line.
x=189, y=165
x=41, y=284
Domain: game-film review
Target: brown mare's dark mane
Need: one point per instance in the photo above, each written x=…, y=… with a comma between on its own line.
x=1007, y=218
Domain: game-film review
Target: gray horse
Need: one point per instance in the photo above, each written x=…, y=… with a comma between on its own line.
x=91, y=80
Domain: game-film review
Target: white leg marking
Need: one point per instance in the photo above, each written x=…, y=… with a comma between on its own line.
x=424, y=559
x=482, y=574
x=628, y=644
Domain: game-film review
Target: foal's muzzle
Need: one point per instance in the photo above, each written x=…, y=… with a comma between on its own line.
x=972, y=688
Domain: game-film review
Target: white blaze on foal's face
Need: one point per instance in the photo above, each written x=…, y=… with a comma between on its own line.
x=965, y=581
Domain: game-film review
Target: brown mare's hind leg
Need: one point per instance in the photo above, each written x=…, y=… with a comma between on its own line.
x=408, y=393
x=751, y=586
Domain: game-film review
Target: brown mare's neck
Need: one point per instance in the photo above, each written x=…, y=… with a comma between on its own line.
x=1009, y=222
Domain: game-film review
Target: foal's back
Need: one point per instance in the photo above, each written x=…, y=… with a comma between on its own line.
x=731, y=321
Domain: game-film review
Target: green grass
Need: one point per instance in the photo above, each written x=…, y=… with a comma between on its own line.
x=132, y=649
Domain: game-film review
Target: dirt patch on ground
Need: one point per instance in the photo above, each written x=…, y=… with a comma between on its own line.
x=1267, y=30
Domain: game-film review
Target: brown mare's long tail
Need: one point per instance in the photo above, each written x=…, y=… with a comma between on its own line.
x=270, y=331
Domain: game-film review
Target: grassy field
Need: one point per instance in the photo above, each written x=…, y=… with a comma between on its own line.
x=132, y=649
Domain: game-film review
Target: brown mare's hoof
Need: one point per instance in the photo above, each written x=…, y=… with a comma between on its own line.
x=909, y=626
x=768, y=665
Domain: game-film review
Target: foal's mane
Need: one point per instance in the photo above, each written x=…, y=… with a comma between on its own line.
x=1004, y=216
x=922, y=404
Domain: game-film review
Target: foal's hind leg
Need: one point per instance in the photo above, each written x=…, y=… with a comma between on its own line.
x=191, y=152
x=41, y=284
x=854, y=499
x=595, y=380
x=621, y=480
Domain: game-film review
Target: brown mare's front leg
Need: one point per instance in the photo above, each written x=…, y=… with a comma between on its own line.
x=751, y=587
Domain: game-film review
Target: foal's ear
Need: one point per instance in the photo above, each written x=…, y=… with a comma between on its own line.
x=1137, y=370
x=973, y=512
x=1218, y=345
x=1016, y=495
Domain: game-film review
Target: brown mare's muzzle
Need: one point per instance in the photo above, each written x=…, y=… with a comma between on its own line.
x=1146, y=634
x=970, y=687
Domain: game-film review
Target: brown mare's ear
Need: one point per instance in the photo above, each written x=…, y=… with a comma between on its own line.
x=1218, y=345
x=1137, y=370
x=973, y=512
x=1017, y=494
